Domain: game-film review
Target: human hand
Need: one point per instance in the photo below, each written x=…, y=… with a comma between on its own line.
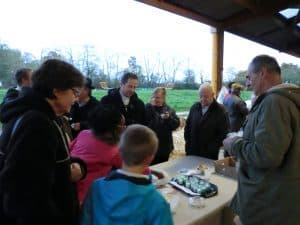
x=227, y=142
x=76, y=173
x=75, y=126
x=165, y=115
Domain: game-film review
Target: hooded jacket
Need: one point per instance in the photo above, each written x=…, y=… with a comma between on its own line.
x=35, y=184
x=237, y=111
x=134, y=112
x=268, y=154
x=122, y=200
x=11, y=94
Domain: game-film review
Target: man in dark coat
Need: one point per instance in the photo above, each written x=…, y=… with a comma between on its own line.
x=23, y=78
x=236, y=108
x=81, y=108
x=126, y=100
x=206, y=125
x=36, y=178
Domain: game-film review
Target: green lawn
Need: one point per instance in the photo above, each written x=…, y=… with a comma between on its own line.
x=180, y=100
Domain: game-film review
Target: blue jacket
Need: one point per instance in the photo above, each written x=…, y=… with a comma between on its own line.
x=120, y=199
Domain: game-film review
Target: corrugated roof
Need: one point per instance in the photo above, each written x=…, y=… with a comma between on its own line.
x=256, y=20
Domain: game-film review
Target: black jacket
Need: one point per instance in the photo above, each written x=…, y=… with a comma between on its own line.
x=163, y=129
x=204, y=134
x=80, y=114
x=237, y=111
x=11, y=94
x=35, y=184
x=135, y=110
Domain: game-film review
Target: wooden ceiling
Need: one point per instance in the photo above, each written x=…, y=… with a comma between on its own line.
x=256, y=20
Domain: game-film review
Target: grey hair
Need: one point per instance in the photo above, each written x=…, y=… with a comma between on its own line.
x=205, y=85
x=264, y=61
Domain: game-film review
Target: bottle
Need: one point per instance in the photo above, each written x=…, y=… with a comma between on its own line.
x=221, y=154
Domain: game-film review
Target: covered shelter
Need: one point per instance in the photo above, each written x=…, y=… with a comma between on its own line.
x=275, y=24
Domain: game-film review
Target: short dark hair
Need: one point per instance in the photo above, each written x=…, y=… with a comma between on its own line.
x=105, y=119
x=126, y=76
x=21, y=74
x=55, y=74
x=265, y=61
x=137, y=143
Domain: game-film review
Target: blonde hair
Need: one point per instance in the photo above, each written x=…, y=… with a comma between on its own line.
x=159, y=90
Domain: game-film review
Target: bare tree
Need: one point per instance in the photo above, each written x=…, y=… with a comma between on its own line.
x=111, y=66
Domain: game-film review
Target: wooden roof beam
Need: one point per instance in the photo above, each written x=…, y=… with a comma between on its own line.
x=181, y=11
x=237, y=19
x=263, y=7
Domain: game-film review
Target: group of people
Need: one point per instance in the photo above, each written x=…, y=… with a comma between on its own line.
x=45, y=169
x=48, y=162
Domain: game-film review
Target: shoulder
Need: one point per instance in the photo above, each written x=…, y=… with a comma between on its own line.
x=196, y=106
x=85, y=134
x=136, y=99
x=93, y=100
x=35, y=117
x=219, y=107
x=148, y=106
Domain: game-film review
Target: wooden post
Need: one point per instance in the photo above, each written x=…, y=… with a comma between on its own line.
x=217, y=59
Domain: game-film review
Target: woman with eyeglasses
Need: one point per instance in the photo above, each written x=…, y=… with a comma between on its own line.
x=162, y=119
x=97, y=147
x=36, y=178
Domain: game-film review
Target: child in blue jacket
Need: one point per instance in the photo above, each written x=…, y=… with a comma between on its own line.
x=127, y=196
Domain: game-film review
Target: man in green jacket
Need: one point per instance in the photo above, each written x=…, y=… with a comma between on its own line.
x=268, y=153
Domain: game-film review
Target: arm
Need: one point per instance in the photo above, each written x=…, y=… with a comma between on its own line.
x=32, y=163
x=242, y=108
x=173, y=121
x=272, y=136
x=222, y=128
x=152, y=117
x=161, y=214
x=87, y=216
x=187, y=130
x=81, y=169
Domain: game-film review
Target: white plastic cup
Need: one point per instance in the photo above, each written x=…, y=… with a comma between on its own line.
x=197, y=201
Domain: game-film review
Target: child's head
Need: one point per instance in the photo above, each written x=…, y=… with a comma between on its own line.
x=138, y=144
x=106, y=123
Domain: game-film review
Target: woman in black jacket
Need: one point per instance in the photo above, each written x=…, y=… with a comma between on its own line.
x=162, y=119
x=36, y=180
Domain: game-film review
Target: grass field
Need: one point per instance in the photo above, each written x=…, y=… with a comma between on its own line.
x=180, y=100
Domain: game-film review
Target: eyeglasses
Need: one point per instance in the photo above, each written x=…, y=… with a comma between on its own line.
x=76, y=91
x=122, y=126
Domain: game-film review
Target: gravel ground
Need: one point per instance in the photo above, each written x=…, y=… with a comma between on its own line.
x=178, y=144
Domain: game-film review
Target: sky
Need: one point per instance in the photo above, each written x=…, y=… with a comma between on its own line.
x=126, y=27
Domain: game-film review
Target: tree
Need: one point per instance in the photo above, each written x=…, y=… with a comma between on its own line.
x=290, y=73
x=10, y=61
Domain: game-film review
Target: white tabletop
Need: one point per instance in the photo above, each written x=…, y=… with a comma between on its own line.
x=213, y=212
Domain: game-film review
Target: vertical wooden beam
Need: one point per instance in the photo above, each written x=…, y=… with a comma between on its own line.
x=217, y=59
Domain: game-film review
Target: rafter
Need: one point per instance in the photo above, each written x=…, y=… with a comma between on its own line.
x=237, y=19
x=263, y=7
x=181, y=11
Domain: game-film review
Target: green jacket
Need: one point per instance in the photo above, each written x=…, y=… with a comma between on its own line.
x=269, y=160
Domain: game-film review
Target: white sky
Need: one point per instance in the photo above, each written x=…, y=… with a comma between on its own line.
x=124, y=26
